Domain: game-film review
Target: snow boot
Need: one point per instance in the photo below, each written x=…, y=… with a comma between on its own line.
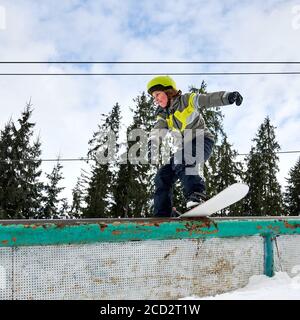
x=175, y=213
x=195, y=198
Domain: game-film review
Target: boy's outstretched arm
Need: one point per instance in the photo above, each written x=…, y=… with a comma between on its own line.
x=219, y=98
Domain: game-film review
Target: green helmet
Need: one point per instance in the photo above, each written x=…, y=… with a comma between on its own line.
x=161, y=83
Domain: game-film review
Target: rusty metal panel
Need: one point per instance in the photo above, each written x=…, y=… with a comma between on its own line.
x=166, y=269
x=62, y=232
x=287, y=254
x=6, y=273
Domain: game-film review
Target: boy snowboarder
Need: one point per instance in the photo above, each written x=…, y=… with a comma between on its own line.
x=178, y=112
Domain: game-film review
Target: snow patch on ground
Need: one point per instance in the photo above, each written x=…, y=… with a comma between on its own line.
x=279, y=287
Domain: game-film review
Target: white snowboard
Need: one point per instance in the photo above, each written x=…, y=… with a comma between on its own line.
x=225, y=198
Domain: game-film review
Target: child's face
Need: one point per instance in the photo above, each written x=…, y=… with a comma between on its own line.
x=160, y=98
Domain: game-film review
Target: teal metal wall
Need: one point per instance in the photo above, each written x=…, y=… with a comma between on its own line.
x=57, y=232
x=142, y=258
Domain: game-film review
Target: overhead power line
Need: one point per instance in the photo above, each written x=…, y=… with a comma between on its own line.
x=154, y=74
x=47, y=160
x=149, y=62
x=279, y=152
x=91, y=159
x=153, y=63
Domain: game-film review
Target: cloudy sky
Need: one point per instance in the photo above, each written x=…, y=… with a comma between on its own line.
x=67, y=108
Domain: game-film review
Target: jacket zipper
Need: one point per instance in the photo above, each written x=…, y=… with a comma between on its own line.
x=175, y=120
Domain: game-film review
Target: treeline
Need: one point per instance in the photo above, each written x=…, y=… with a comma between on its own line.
x=118, y=189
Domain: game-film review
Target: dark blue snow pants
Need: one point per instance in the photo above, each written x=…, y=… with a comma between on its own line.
x=168, y=174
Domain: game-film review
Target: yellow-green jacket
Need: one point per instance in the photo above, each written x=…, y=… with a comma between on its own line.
x=184, y=113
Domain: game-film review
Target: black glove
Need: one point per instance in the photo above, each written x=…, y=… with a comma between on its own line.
x=235, y=97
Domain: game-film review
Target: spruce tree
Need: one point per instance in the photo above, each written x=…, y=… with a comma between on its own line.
x=21, y=190
x=78, y=196
x=97, y=192
x=53, y=207
x=122, y=192
x=64, y=210
x=7, y=178
x=132, y=190
x=292, y=192
x=229, y=171
x=265, y=196
x=98, y=198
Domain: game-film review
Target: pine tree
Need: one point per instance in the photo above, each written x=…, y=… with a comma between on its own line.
x=122, y=191
x=76, y=208
x=229, y=171
x=292, y=193
x=132, y=191
x=7, y=179
x=78, y=195
x=265, y=196
x=98, y=196
x=64, y=210
x=97, y=192
x=20, y=189
x=52, y=206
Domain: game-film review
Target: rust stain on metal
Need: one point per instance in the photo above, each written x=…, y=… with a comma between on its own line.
x=116, y=232
x=222, y=266
x=14, y=239
x=51, y=289
x=4, y=242
x=196, y=227
x=110, y=262
x=150, y=224
x=97, y=280
x=173, y=251
x=30, y=226
x=103, y=226
x=274, y=228
x=114, y=280
x=291, y=226
x=199, y=244
x=259, y=227
x=58, y=225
